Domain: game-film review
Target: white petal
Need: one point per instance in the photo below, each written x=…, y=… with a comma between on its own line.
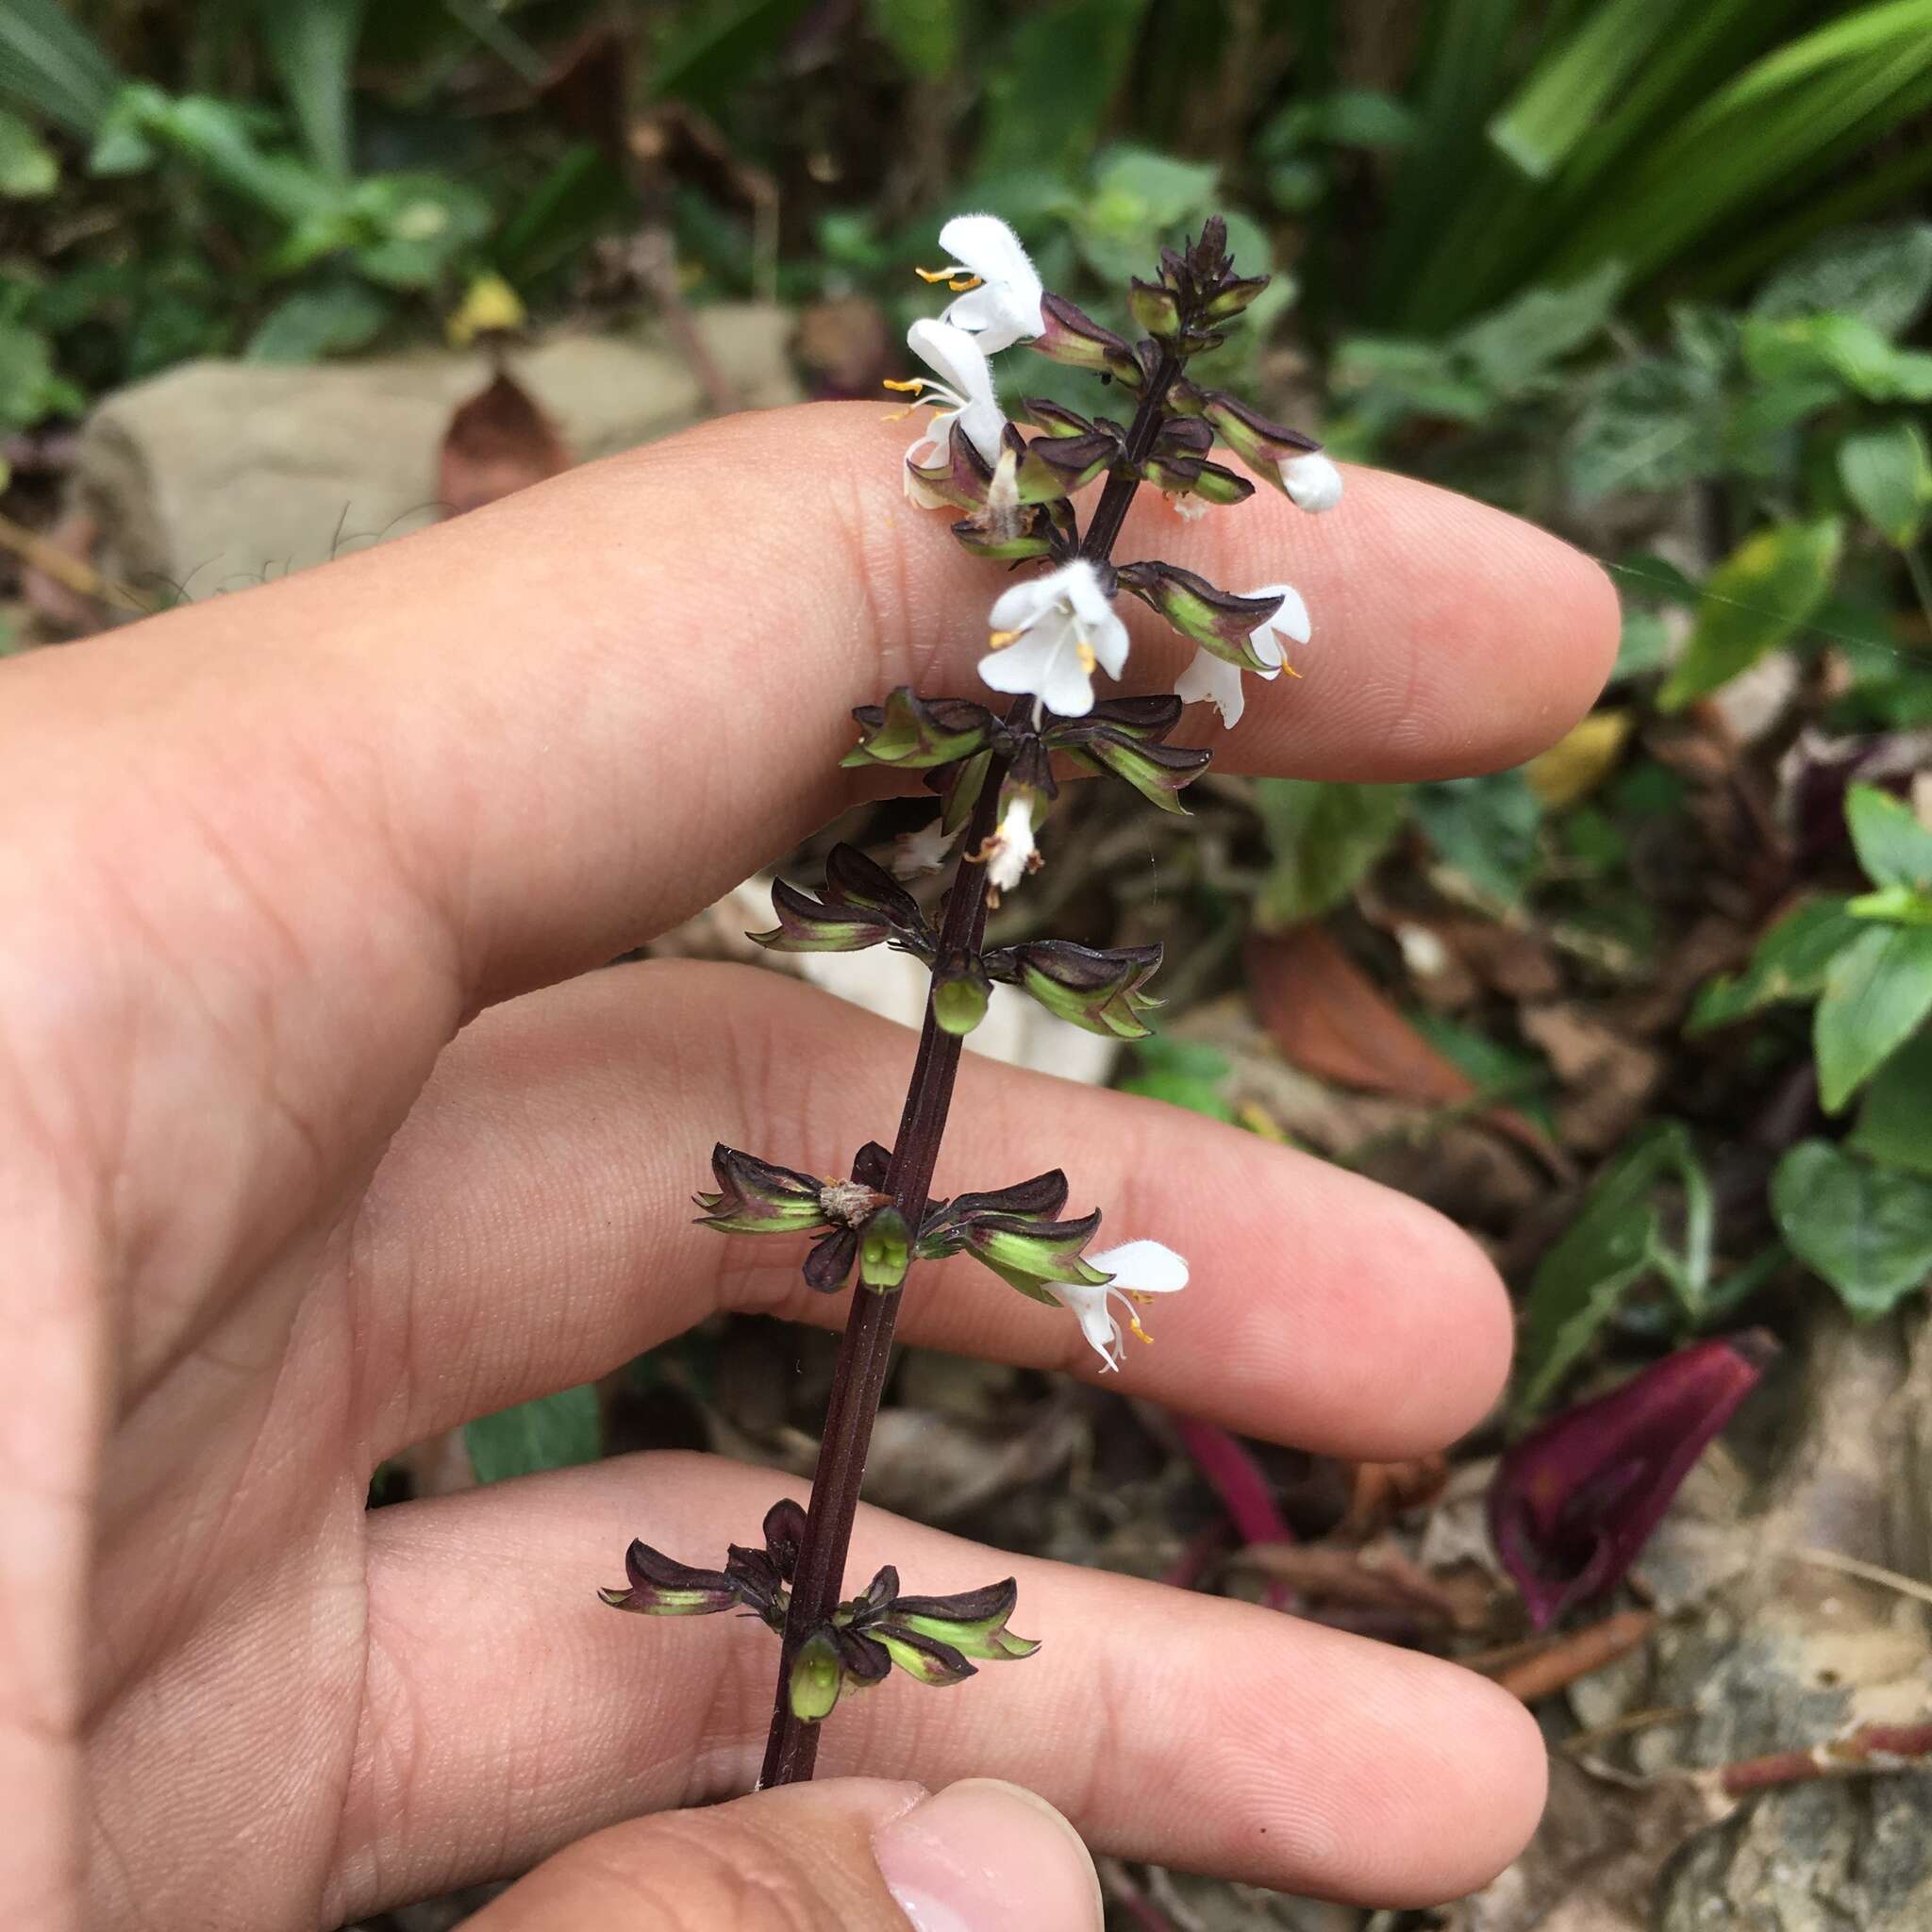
x=1216, y=680
x=1291, y=617
x=1189, y=509
x=1022, y=668
x=917, y=854
x=1110, y=640
x=1021, y=603
x=987, y=246
x=1012, y=846
x=1142, y=1267
x=1096, y=1321
x=1007, y=307
x=1068, y=687
x=984, y=423
x=1079, y=584
x=956, y=356
x=1311, y=481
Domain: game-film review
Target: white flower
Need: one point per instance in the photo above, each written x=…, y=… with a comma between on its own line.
x=965, y=395
x=1140, y=1269
x=1048, y=634
x=998, y=288
x=1189, y=507
x=916, y=855
x=1312, y=482
x=1217, y=680
x=1010, y=851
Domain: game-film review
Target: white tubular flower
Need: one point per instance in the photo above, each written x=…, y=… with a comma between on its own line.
x=1008, y=853
x=1140, y=1270
x=998, y=285
x=917, y=855
x=1048, y=635
x=963, y=394
x=1220, y=682
x=1312, y=482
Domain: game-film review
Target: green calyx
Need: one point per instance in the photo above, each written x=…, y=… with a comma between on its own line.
x=817, y=1677
x=884, y=1249
x=916, y=734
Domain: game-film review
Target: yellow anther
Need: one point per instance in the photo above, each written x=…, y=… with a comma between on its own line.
x=965, y=282
x=1088, y=661
x=1001, y=639
x=1291, y=670
x=906, y=388
x=1139, y=1333
x=933, y=275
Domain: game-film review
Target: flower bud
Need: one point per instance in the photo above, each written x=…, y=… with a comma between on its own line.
x=1098, y=990
x=972, y=1623
x=1124, y=736
x=1056, y=466
x=659, y=1587
x=960, y=991
x=1026, y=1254
x=1264, y=445
x=958, y=474
x=817, y=1676
x=1033, y=537
x=1216, y=620
x=864, y=906
x=884, y=1249
x=1075, y=338
x=927, y=1658
x=756, y=1197
x=1056, y=418
x=915, y=734
x=1154, y=308
x=1184, y=475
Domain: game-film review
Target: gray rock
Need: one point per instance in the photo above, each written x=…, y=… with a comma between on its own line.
x=220, y=474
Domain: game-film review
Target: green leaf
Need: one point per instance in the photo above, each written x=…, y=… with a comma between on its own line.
x=1790, y=963
x=1895, y=1123
x=704, y=52
x=1047, y=99
x=1754, y=601
x=1564, y=97
x=553, y=1432
x=53, y=68
x=1649, y=426
x=27, y=167
x=422, y=223
x=312, y=44
x=1140, y=200
x=1887, y=473
x=1518, y=343
x=1325, y=838
x=1842, y=349
x=1892, y=846
x=333, y=319
x=1485, y=828
x=1882, y=275
x=1867, y=1230
x=924, y=33
x=1184, y=1074
x=1876, y=994
x=1614, y=1243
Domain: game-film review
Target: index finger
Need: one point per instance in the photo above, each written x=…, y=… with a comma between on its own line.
x=567, y=720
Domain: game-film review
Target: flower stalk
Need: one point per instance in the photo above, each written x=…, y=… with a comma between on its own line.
x=1051, y=634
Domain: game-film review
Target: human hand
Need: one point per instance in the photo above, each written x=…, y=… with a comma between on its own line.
x=272, y=1217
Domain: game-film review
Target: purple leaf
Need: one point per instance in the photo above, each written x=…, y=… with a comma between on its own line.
x=1575, y=1501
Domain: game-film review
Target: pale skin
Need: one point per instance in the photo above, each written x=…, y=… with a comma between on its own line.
x=321, y=1133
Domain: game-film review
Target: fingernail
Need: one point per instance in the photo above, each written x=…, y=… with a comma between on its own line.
x=987, y=1856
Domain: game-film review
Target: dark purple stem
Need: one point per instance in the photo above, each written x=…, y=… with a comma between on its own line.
x=865, y=1350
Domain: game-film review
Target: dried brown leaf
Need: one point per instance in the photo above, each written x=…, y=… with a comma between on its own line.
x=497, y=442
